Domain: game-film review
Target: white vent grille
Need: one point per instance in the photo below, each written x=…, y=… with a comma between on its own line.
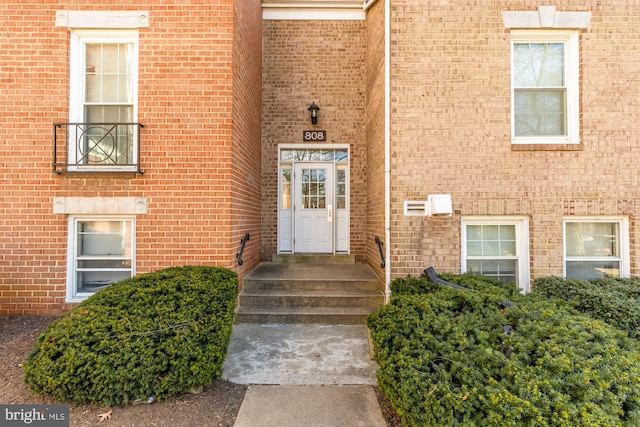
x=415, y=208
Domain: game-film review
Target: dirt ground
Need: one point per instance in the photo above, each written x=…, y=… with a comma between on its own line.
x=217, y=405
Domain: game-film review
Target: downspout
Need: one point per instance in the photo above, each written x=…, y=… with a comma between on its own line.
x=387, y=147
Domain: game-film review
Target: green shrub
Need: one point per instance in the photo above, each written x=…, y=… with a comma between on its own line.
x=614, y=300
x=449, y=357
x=155, y=334
x=420, y=285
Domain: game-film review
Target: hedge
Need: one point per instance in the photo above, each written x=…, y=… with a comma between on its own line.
x=449, y=357
x=614, y=300
x=157, y=334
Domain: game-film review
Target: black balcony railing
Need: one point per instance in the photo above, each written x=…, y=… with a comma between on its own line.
x=96, y=147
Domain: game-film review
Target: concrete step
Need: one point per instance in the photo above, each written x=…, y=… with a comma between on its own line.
x=335, y=293
x=313, y=298
x=318, y=315
x=313, y=259
x=312, y=277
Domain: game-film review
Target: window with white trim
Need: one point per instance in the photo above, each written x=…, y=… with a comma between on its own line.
x=596, y=247
x=103, y=99
x=101, y=251
x=497, y=247
x=545, y=85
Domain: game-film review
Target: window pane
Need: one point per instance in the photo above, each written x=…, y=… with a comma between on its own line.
x=508, y=232
x=491, y=240
x=539, y=112
x=109, y=143
x=105, y=264
x=103, y=253
x=104, y=238
x=93, y=281
x=474, y=232
x=508, y=248
x=592, y=239
x=474, y=248
x=490, y=232
x=109, y=71
x=585, y=270
x=538, y=64
x=108, y=113
x=496, y=244
x=505, y=270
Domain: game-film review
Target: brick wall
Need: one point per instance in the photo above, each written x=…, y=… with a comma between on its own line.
x=247, y=116
x=321, y=61
x=192, y=175
x=451, y=129
x=375, y=124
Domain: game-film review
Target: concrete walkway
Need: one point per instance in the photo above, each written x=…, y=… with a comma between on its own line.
x=303, y=375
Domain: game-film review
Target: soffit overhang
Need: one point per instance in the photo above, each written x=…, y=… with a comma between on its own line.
x=313, y=9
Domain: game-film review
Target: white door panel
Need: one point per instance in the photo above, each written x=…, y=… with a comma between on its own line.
x=313, y=207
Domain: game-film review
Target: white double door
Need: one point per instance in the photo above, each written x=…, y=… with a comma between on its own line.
x=314, y=207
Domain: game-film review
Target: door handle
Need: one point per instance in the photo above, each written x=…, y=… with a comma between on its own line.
x=330, y=213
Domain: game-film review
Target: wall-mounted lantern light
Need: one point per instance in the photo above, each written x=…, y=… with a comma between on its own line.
x=313, y=112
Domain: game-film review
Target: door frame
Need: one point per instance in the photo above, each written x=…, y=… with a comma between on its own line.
x=285, y=216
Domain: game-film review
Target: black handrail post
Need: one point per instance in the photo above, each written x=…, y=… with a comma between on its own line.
x=379, y=243
x=244, y=241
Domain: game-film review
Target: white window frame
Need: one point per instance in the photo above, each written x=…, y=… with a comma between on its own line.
x=623, y=227
x=571, y=79
x=77, y=89
x=521, y=224
x=72, y=257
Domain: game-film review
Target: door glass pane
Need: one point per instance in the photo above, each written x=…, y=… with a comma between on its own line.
x=313, y=189
x=302, y=155
x=285, y=182
x=341, y=189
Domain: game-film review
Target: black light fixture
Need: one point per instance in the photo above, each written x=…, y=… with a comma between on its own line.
x=313, y=112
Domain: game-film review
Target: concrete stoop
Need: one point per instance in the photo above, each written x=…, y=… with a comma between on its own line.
x=321, y=289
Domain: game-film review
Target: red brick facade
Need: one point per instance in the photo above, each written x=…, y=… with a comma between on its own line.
x=450, y=129
x=199, y=99
x=219, y=88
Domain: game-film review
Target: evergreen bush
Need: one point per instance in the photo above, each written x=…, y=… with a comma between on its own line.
x=465, y=358
x=614, y=300
x=157, y=334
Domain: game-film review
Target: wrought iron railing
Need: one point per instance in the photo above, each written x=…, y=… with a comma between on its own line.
x=380, y=244
x=96, y=147
x=244, y=241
